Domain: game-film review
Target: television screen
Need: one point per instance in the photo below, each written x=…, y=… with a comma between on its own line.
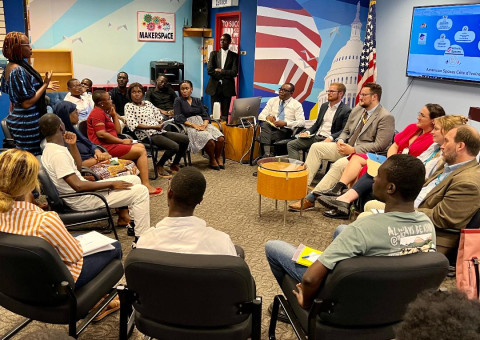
x=445, y=43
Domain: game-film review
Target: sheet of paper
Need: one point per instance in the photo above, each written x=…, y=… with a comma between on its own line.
x=94, y=242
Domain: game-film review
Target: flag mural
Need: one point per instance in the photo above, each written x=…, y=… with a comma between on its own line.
x=367, y=71
x=287, y=48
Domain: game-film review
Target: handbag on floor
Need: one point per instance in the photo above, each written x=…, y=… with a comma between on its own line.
x=468, y=262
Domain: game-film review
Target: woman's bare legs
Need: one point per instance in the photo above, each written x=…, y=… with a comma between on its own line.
x=353, y=169
x=138, y=154
x=210, y=151
x=218, y=150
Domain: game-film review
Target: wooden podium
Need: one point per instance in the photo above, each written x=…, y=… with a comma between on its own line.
x=238, y=142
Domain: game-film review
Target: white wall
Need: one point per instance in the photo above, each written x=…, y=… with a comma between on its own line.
x=393, y=31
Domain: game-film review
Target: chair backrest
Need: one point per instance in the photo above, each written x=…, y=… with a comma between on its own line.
x=31, y=270
x=188, y=290
x=82, y=127
x=5, y=129
x=49, y=189
x=475, y=221
x=375, y=290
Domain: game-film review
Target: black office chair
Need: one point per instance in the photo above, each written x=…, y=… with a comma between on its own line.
x=188, y=296
x=73, y=218
x=8, y=141
x=362, y=298
x=37, y=285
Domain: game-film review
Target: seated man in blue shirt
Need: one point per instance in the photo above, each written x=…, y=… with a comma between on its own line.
x=401, y=230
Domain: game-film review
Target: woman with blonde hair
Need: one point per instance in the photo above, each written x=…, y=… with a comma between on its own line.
x=18, y=215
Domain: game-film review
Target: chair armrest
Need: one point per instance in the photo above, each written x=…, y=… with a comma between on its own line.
x=218, y=123
x=101, y=148
x=124, y=136
x=87, y=193
x=87, y=170
x=178, y=127
x=149, y=139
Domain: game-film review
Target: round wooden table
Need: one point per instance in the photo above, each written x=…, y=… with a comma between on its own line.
x=281, y=178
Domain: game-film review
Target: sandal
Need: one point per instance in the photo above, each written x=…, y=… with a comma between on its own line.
x=162, y=172
x=157, y=192
x=112, y=307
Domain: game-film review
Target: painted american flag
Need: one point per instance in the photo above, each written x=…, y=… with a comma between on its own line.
x=287, y=47
x=367, y=71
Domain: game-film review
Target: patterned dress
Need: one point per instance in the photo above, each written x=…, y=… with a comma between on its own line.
x=23, y=123
x=195, y=114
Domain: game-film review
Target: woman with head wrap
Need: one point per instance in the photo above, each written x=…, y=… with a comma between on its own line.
x=26, y=90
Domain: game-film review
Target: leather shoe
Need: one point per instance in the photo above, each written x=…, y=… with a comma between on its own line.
x=337, y=190
x=334, y=213
x=214, y=167
x=297, y=206
x=332, y=203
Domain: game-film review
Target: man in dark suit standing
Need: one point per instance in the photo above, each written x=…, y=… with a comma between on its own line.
x=331, y=120
x=222, y=69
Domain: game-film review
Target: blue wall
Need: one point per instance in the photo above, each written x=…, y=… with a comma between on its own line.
x=248, y=9
x=14, y=21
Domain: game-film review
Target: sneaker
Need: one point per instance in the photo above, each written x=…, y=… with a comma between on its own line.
x=131, y=229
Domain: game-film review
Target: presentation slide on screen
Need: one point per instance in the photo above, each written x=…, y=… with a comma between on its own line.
x=445, y=43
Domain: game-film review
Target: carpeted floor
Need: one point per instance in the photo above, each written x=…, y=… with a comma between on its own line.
x=231, y=205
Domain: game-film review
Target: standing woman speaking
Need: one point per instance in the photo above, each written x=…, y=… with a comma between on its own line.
x=26, y=90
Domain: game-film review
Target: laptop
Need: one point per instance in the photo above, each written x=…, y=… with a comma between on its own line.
x=244, y=107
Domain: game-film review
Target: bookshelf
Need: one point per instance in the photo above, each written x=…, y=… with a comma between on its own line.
x=58, y=60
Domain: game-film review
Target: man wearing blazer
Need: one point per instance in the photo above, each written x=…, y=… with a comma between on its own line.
x=451, y=196
x=222, y=69
x=331, y=120
x=369, y=128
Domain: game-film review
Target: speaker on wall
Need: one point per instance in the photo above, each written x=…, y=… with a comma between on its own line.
x=200, y=14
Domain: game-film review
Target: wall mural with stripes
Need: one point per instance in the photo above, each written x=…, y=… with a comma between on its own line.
x=309, y=45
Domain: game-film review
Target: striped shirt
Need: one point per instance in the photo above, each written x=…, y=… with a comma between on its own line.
x=27, y=219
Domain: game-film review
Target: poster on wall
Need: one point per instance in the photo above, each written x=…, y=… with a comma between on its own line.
x=298, y=42
x=231, y=25
x=155, y=26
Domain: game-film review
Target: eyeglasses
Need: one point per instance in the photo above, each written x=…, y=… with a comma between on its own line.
x=364, y=94
x=421, y=115
x=331, y=91
x=25, y=44
x=283, y=90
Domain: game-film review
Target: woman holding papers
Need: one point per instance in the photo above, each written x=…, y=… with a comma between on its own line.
x=363, y=187
x=18, y=178
x=146, y=120
x=192, y=114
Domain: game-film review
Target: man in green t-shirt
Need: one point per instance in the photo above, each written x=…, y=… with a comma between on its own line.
x=400, y=230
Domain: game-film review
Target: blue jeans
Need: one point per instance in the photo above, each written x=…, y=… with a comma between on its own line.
x=339, y=229
x=279, y=256
x=94, y=264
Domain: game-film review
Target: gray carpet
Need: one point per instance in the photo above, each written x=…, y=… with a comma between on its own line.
x=230, y=205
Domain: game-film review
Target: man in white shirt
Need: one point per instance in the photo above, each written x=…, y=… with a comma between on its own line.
x=62, y=166
x=181, y=232
x=280, y=116
x=331, y=119
x=82, y=99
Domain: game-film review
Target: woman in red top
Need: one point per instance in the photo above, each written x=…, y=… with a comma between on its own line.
x=103, y=126
x=413, y=140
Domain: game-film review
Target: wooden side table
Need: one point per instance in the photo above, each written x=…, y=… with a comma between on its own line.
x=281, y=178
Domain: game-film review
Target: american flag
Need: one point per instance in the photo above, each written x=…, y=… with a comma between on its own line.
x=287, y=47
x=367, y=71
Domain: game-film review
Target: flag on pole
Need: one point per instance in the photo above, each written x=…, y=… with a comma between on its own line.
x=367, y=71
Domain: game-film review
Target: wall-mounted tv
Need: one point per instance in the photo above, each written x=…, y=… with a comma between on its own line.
x=445, y=43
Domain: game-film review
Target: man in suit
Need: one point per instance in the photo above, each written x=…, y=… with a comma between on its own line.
x=331, y=120
x=222, y=69
x=369, y=128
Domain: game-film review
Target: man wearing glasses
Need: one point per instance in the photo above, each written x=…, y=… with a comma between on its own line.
x=82, y=99
x=369, y=128
x=280, y=116
x=330, y=122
